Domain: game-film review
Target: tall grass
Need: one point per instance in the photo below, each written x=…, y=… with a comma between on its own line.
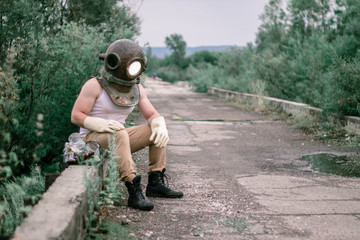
x=18, y=196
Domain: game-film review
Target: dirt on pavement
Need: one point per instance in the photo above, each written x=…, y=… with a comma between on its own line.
x=241, y=175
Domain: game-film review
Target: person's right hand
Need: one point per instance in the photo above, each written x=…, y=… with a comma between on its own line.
x=159, y=134
x=102, y=125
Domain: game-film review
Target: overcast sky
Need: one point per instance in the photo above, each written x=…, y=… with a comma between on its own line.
x=200, y=22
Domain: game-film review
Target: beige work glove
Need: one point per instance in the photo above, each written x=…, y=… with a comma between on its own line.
x=102, y=125
x=159, y=132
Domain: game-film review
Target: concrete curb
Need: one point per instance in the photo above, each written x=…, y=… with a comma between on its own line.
x=352, y=124
x=63, y=211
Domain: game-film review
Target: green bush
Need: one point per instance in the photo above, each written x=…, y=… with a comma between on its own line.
x=171, y=73
x=8, y=98
x=48, y=50
x=51, y=50
x=49, y=75
x=343, y=87
x=199, y=58
x=153, y=63
x=205, y=77
x=297, y=73
x=17, y=197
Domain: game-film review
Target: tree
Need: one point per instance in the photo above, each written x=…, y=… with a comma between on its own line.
x=177, y=44
x=54, y=56
x=93, y=12
x=17, y=21
x=203, y=57
x=342, y=91
x=113, y=19
x=152, y=62
x=309, y=16
x=272, y=31
x=347, y=42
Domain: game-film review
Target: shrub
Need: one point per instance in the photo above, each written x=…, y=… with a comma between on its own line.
x=205, y=77
x=18, y=195
x=49, y=76
x=343, y=87
x=171, y=73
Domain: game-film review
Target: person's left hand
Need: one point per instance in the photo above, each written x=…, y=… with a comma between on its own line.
x=159, y=132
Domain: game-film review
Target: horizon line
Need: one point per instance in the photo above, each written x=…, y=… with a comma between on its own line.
x=221, y=45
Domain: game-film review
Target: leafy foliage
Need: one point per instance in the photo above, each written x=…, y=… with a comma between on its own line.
x=172, y=68
x=17, y=197
x=343, y=90
x=153, y=62
x=111, y=192
x=177, y=44
x=48, y=49
x=303, y=64
x=308, y=53
x=49, y=57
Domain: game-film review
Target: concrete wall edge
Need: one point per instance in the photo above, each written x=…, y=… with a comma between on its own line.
x=351, y=123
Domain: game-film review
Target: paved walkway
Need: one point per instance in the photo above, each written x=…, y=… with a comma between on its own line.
x=242, y=177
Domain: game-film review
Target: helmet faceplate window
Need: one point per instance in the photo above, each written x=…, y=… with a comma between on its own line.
x=134, y=68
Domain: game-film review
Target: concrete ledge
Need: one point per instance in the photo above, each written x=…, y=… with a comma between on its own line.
x=62, y=213
x=352, y=124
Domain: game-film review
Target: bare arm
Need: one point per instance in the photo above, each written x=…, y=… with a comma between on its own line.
x=145, y=107
x=85, y=101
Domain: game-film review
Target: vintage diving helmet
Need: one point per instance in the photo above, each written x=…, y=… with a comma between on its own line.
x=124, y=62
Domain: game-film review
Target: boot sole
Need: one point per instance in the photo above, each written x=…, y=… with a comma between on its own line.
x=147, y=208
x=163, y=196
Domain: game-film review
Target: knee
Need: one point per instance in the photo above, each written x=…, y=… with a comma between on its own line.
x=147, y=134
x=122, y=136
x=147, y=130
x=144, y=131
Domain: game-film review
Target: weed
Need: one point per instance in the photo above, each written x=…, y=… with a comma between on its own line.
x=18, y=196
x=111, y=192
x=109, y=230
x=92, y=188
x=109, y=186
x=237, y=223
x=302, y=119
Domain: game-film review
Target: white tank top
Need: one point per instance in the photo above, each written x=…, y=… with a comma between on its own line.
x=106, y=109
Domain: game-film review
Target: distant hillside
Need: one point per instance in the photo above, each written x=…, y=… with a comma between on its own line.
x=163, y=51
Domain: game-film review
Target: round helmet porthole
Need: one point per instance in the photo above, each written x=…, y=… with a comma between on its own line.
x=134, y=69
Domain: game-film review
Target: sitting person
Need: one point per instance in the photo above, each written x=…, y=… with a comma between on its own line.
x=102, y=108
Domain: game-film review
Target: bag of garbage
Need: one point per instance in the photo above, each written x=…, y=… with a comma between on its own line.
x=76, y=150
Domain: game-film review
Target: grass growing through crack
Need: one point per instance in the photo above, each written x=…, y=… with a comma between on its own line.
x=237, y=223
x=109, y=230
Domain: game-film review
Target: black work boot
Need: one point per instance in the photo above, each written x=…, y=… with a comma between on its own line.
x=156, y=186
x=137, y=199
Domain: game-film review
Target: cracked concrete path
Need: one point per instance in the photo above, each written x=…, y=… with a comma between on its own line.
x=241, y=177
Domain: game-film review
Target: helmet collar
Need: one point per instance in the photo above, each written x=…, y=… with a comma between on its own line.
x=121, y=92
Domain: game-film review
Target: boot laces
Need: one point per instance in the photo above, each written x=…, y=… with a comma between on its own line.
x=164, y=177
x=139, y=191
